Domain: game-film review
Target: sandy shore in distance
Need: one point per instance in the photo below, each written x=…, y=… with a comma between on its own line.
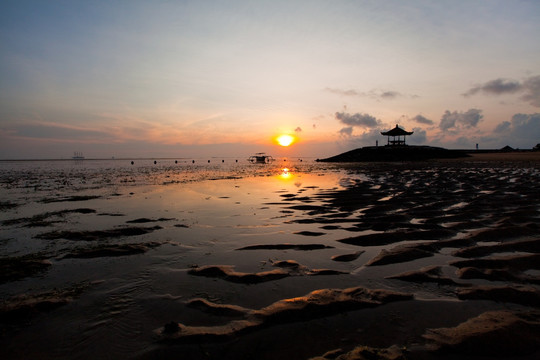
x=427, y=260
x=527, y=156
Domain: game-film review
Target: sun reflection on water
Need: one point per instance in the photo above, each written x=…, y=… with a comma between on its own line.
x=286, y=174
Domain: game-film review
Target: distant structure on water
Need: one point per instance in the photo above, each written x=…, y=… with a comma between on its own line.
x=260, y=158
x=78, y=155
x=396, y=132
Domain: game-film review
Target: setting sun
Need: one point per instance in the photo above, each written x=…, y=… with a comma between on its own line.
x=285, y=140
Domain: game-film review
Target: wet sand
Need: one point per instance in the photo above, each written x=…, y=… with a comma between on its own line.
x=425, y=260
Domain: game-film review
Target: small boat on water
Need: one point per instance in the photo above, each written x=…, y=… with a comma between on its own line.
x=260, y=158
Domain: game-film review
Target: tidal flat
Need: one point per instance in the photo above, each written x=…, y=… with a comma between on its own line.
x=290, y=260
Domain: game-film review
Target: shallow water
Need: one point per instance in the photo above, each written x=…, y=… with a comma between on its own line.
x=200, y=214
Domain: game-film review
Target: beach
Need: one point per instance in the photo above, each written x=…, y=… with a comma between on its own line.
x=223, y=259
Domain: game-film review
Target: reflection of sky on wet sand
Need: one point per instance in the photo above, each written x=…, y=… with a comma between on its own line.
x=229, y=203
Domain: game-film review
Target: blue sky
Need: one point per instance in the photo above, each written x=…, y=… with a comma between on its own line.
x=203, y=78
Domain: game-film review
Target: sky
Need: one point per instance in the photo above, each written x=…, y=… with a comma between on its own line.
x=128, y=78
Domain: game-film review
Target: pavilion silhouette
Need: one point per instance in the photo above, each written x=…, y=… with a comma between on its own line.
x=396, y=132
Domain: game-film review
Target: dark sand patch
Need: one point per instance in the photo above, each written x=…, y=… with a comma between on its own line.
x=452, y=243
x=304, y=247
x=348, y=257
x=309, y=233
x=319, y=303
x=286, y=196
x=402, y=253
x=425, y=274
x=505, y=233
x=316, y=272
x=15, y=268
x=147, y=220
x=365, y=353
x=112, y=250
x=517, y=262
x=385, y=238
x=43, y=219
x=327, y=219
x=491, y=334
x=313, y=209
x=496, y=275
x=530, y=245
x=111, y=214
x=227, y=272
x=7, y=205
x=524, y=295
x=97, y=234
x=69, y=198
x=330, y=227
x=19, y=310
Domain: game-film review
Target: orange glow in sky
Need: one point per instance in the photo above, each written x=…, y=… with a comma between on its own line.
x=285, y=140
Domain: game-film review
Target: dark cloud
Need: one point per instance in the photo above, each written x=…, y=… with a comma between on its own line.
x=455, y=120
x=496, y=87
x=372, y=94
x=530, y=88
x=503, y=127
x=532, y=91
x=298, y=129
x=422, y=120
x=342, y=92
x=526, y=126
x=522, y=129
x=360, y=120
x=390, y=95
x=346, y=131
x=419, y=136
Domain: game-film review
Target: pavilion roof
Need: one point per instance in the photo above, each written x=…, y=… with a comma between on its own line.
x=397, y=131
